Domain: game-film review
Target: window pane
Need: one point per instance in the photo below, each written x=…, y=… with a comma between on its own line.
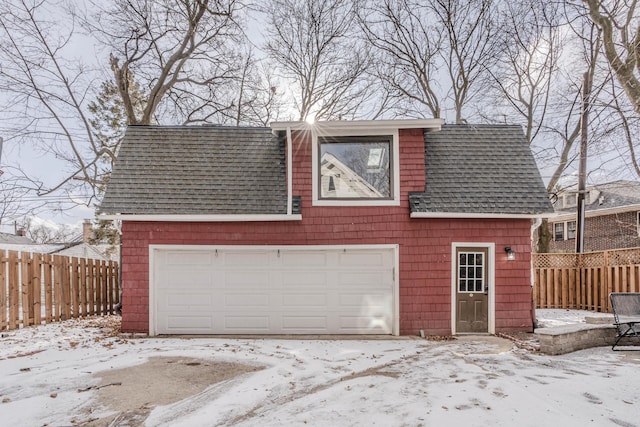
x=558, y=231
x=571, y=230
x=355, y=168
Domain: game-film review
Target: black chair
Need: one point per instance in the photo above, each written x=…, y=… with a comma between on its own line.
x=626, y=312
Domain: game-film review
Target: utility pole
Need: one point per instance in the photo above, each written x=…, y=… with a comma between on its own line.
x=582, y=167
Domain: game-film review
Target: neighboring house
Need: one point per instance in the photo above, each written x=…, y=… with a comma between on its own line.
x=612, y=218
x=238, y=230
x=79, y=247
x=20, y=243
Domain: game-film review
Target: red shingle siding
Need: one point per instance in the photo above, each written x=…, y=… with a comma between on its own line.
x=425, y=247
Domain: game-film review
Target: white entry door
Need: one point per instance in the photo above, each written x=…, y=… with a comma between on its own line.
x=267, y=290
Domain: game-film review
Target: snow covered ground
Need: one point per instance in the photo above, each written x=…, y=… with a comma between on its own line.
x=51, y=376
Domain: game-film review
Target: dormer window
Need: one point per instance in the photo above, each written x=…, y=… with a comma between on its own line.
x=355, y=168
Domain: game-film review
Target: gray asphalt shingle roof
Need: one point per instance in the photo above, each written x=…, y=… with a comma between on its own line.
x=198, y=170
x=480, y=169
x=193, y=170
x=609, y=195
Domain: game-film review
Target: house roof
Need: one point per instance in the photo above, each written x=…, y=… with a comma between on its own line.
x=188, y=170
x=13, y=239
x=486, y=169
x=601, y=199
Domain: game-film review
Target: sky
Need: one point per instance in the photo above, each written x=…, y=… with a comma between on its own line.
x=50, y=169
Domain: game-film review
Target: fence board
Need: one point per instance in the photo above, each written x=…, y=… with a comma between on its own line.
x=25, y=282
x=82, y=275
x=47, y=265
x=36, y=288
x=14, y=289
x=91, y=287
x=584, y=281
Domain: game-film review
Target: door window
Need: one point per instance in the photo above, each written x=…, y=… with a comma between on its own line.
x=471, y=274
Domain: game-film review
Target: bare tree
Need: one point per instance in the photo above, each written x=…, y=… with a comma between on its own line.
x=407, y=45
x=473, y=40
x=619, y=21
x=176, y=49
x=173, y=55
x=421, y=42
x=313, y=44
x=522, y=78
x=44, y=91
x=45, y=233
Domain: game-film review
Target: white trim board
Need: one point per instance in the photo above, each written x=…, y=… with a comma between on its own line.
x=201, y=218
x=393, y=132
x=474, y=215
x=491, y=265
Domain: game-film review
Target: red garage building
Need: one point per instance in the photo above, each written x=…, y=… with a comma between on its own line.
x=344, y=227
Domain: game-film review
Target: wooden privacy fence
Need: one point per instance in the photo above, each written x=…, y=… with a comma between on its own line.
x=37, y=288
x=584, y=281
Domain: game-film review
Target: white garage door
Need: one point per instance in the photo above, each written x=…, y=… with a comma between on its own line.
x=266, y=290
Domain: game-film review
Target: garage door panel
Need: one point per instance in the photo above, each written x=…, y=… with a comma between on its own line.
x=187, y=259
x=364, y=300
x=357, y=259
x=353, y=324
x=247, y=300
x=304, y=300
x=245, y=291
x=303, y=260
x=187, y=279
x=246, y=279
x=180, y=301
x=242, y=259
x=186, y=323
x=247, y=323
x=298, y=279
x=371, y=279
x=304, y=323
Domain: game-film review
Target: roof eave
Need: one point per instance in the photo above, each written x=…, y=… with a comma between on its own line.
x=477, y=215
x=354, y=125
x=559, y=216
x=201, y=218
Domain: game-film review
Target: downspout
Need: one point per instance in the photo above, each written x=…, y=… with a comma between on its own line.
x=289, y=173
x=534, y=227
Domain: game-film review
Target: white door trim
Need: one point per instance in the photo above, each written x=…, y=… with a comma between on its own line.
x=491, y=265
x=396, y=276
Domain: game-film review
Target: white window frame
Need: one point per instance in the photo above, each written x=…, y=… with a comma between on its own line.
x=565, y=230
x=395, y=159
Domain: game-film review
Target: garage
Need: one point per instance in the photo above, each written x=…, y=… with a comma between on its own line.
x=273, y=290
